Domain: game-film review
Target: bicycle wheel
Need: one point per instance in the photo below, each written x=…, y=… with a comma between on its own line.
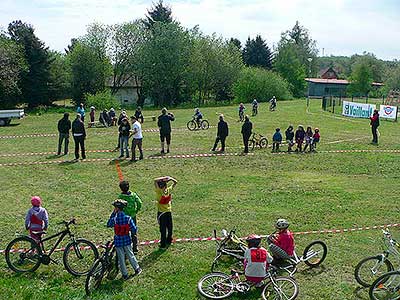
x=79, y=256
x=280, y=288
x=204, y=125
x=94, y=277
x=23, y=255
x=315, y=253
x=113, y=268
x=263, y=143
x=386, y=287
x=370, y=268
x=191, y=125
x=216, y=286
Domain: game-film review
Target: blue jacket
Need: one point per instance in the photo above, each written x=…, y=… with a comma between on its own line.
x=277, y=137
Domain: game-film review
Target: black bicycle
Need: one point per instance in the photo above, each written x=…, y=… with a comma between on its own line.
x=24, y=254
x=106, y=265
x=197, y=124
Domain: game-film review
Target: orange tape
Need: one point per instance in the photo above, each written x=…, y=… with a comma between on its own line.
x=120, y=175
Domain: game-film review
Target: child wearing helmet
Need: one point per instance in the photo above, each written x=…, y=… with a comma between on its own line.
x=281, y=242
x=256, y=260
x=124, y=227
x=241, y=112
x=198, y=115
x=36, y=219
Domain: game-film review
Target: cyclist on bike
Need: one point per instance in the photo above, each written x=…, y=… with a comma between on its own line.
x=272, y=103
x=241, y=112
x=281, y=243
x=198, y=116
x=36, y=218
x=256, y=260
x=124, y=228
x=255, y=107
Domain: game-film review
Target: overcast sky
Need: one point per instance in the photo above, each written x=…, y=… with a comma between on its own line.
x=341, y=27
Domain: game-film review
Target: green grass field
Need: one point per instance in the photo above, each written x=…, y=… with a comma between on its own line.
x=314, y=191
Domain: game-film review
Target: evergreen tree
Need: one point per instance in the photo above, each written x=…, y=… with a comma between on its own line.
x=158, y=13
x=256, y=53
x=236, y=42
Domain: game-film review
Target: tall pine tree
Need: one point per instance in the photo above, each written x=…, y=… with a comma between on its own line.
x=256, y=53
x=158, y=13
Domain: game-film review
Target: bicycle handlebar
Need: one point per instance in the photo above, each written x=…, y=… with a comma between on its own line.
x=67, y=223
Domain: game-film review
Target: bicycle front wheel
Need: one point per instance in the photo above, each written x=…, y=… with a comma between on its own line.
x=280, y=288
x=94, y=277
x=205, y=125
x=216, y=286
x=315, y=253
x=191, y=125
x=79, y=256
x=386, y=287
x=23, y=255
x=263, y=143
x=370, y=268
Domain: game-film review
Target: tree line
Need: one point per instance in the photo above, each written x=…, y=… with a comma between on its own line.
x=170, y=64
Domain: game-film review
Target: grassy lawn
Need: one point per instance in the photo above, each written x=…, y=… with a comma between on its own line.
x=318, y=191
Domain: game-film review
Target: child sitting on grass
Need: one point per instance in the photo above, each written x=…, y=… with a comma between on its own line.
x=315, y=139
x=276, y=140
x=281, y=242
x=289, y=137
x=36, y=218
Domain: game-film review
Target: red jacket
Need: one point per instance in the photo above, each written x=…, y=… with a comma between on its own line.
x=285, y=241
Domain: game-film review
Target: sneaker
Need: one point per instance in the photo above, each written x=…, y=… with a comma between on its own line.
x=168, y=151
x=138, y=271
x=162, y=152
x=141, y=157
x=125, y=277
x=121, y=156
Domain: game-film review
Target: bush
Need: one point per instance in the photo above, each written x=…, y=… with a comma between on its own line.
x=255, y=83
x=102, y=100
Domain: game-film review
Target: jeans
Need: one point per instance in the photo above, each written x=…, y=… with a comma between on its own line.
x=374, y=134
x=134, y=238
x=165, y=222
x=124, y=145
x=79, y=141
x=62, y=137
x=222, y=139
x=121, y=252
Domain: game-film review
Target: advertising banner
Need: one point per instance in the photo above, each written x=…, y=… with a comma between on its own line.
x=388, y=112
x=357, y=110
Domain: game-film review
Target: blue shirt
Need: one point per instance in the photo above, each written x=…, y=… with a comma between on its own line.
x=277, y=137
x=121, y=218
x=81, y=111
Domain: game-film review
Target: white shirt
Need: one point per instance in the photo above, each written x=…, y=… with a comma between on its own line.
x=138, y=128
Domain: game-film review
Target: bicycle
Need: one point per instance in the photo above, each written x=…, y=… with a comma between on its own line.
x=106, y=265
x=241, y=116
x=221, y=285
x=197, y=124
x=372, y=267
x=24, y=254
x=254, y=111
x=386, y=287
x=258, y=140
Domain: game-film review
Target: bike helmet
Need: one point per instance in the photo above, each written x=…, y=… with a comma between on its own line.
x=119, y=203
x=36, y=201
x=253, y=240
x=281, y=224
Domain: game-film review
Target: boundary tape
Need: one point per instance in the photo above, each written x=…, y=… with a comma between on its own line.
x=344, y=151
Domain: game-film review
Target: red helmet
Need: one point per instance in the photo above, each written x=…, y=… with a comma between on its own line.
x=36, y=201
x=253, y=240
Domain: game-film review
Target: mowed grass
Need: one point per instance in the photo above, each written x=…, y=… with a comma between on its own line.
x=317, y=191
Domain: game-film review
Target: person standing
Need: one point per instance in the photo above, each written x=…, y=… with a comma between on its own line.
x=92, y=114
x=163, y=189
x=64, y=125
x=164, y=124
x=79, y=133
x=137, y=138
x=81, y=111
x=122, y=115
x=139, y=115
x=374, y=126
x=247, y=128
x=222, y=133
x=124, y=132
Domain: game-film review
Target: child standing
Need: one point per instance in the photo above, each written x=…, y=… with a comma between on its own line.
x=123, y=225
x=315, y=140
x=134, y=204
x=308, y=137
x=290, y=137
x=92, y=114
x=282, y=241
x=299, y=136
x=36, y=218
x=276, y=140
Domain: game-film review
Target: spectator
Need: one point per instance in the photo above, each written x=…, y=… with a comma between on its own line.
x=276, y=140
x=374, y=126
x=164, y=124
x=164, y=211
x=299, y=136
x=64, y=125
x=139, y=115
x=113, y=118
x=36, y=218
x=308, y=137
x=289, y=133
x=222, y=133
x=92, y=113
x=247, y=128
x=124, y=131
x=315, y=139
x=137, y=138
x=121, y=116
x=79, y=133
x=81, y=110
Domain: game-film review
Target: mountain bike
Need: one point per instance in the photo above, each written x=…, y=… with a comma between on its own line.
x=254, y=111
x=370, y=268
x=386, y=287
x=194, y=124
x=258, y=140
x=105, y=266
x=24, y=254
x=221, y=285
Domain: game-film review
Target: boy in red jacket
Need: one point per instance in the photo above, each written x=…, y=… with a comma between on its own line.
x=282, y=247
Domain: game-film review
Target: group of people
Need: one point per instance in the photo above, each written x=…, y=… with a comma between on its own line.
x=307, y=137
x=78, y=133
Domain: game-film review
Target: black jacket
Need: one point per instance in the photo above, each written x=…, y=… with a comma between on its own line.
x=223, y=130
x=139, y=116
x=78, y=127
x=164, y=122
x=289, y=135
x=64, y=125
x=247, y=127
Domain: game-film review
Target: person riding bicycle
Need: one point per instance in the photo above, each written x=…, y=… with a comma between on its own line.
x=124, y=228
x=255, y=107
x=36, y=218
x=281, y=243
x=256, y=260
x=241, y=112
x=198, y=116
x=272, y=103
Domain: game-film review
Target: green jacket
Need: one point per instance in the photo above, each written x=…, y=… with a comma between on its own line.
x=134, y=203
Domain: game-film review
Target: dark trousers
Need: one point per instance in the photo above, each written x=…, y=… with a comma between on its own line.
x=63, y=137
x=275, y=146
x=246, y=143
x=217, y=140
x=374, y=134
x=79, y=141
x=138, y=143
x=134, y=238
x=165, y=222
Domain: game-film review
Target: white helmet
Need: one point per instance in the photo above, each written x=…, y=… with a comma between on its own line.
x=281, y=224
